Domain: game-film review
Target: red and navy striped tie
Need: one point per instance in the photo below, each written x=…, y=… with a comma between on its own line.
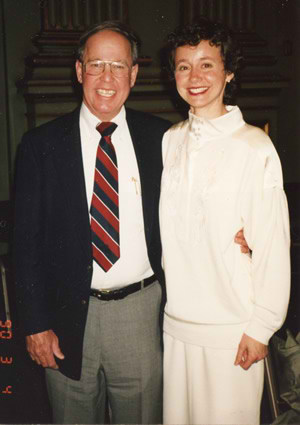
x=105, y=201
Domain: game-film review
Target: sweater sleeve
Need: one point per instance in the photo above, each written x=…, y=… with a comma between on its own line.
x=266, y=228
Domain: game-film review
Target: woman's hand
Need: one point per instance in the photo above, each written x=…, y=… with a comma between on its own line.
x=250, y=351
x=240, y=239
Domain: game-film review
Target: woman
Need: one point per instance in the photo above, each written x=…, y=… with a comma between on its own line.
x=220, y=174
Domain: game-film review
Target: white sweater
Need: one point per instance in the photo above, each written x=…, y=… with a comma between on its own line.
x=219, y=176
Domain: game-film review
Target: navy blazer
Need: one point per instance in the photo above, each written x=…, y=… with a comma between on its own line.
x=53, y=250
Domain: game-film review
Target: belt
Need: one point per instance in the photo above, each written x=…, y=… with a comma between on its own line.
x=119, y=294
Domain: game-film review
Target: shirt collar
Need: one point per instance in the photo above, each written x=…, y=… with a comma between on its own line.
x=91, y=121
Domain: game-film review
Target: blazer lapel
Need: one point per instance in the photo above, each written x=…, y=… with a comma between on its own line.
x=69, y=166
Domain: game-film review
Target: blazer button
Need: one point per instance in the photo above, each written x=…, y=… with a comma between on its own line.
x=83, y=302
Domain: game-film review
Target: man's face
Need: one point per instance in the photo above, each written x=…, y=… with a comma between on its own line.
x=106, y=93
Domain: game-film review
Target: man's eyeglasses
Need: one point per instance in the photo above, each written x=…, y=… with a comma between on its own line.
x=97, y=67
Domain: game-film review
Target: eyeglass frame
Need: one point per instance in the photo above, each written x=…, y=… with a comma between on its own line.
x=106, y=63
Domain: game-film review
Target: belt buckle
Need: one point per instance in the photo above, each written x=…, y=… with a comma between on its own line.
x=105, y=291
x=102, y=292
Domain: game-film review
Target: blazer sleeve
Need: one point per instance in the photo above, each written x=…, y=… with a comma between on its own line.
x=28, y=247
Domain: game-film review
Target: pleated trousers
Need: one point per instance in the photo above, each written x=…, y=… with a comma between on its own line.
x=122, y=365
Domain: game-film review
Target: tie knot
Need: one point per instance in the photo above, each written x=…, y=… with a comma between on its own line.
x=106, y=128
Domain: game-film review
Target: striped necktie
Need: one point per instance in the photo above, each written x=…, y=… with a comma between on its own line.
x=105, y=201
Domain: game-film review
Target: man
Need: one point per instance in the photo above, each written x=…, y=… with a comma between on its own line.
x=99, y=327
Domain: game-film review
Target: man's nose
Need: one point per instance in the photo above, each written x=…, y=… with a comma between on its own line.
x=106, y=74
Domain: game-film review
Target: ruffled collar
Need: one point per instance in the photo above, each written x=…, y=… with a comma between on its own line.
x=202, y=129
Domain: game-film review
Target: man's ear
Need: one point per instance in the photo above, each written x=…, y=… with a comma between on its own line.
x=133, y=75
x=78, y=67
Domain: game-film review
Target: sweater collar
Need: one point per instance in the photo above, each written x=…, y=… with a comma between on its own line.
x=202, y=129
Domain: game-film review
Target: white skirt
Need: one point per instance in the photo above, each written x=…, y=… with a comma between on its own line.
x=202, y=386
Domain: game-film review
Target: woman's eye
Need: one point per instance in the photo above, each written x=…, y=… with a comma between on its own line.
x=207, y=65
x=183, y=68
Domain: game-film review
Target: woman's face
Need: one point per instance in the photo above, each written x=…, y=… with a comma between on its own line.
x=201, y=78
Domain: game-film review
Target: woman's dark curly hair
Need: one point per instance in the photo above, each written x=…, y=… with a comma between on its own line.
x=218, y=35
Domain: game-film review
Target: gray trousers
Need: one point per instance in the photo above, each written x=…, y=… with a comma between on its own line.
x=122, y=365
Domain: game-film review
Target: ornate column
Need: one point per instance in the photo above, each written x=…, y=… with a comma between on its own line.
x=78, y=14
x=235, y=13
x=62, y=22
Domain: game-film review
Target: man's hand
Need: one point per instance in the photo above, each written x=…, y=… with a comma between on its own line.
x=250, y=351
x=42, y=347
x=239, y=239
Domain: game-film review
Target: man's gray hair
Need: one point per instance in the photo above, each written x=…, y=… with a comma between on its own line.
x=116, y=26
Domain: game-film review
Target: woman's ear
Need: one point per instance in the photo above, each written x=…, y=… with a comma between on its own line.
x=229, y=77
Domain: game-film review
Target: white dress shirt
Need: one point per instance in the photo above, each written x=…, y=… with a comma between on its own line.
x=133, y=264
